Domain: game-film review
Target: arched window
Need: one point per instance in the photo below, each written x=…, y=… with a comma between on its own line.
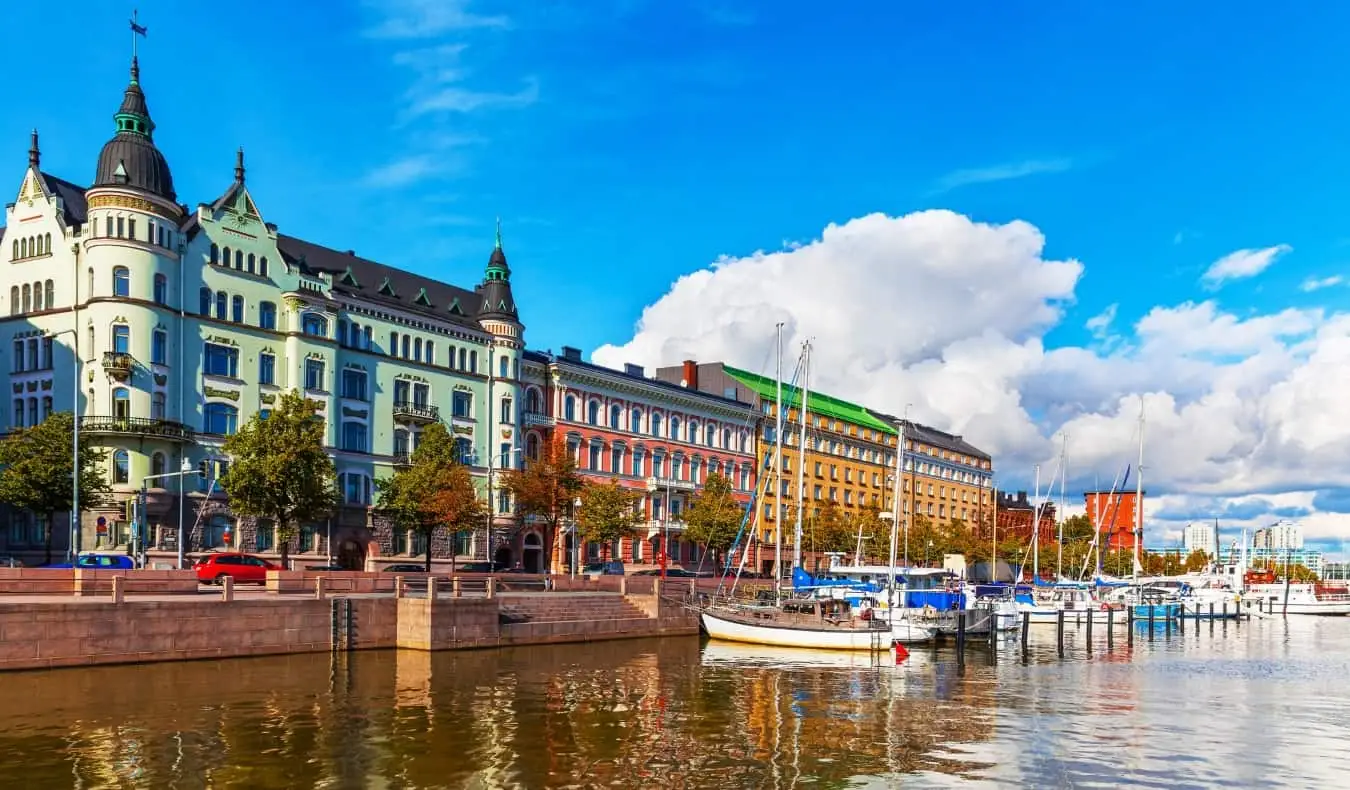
x=417, y=350
x=745, y=443
x=692, y=431
x=262, y=266
x=366, y=338
x=27, y=297
x=121, y=281
x=239, y=260
x=37, y=297
x=23, y=248
x=14, y=303
x=656, y=424
x=393, y=344
x=503, y=367
x=157, y=406
x=161, y=289
x=314, y=325
x=225, y=257
x=403, y=348
x=47, y=243
x=675, y=428
x=710, y=434
x=429, y=352
x=237, y=309
x=121, y=467
x=121, y=339
x=215, y=254
x=90, y=291
x=222, y=305
x=121, y=403
x=532, y=447
x=635, y=420
x=157, y=464
x=473, y=361
x=15, y=255
x=205, y=301
x=463, y=364
x=593, y=412
x=726, y=438
x=222, y=419
x=532, y=401
x=570, y=408
x=252, y=263
x=615, y=412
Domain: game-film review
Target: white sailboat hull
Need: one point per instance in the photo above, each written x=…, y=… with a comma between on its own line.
x=824, y=638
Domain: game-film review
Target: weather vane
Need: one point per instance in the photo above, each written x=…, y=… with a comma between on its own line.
x=136, y=30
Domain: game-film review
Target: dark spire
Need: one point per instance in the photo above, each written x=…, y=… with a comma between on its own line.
x=496, y=288
x=34, y=153
x=239, y=166
x=130, y=158
x=497, y=268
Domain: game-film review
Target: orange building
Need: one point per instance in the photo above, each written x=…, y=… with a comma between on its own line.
x=1115, y=516
x=1016, y=514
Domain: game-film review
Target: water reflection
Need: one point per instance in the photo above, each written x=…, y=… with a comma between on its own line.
x=1259, y=706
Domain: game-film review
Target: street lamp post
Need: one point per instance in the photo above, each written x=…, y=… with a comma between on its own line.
x=492, y=507
x=576, y=537
x=73, y=550
x=186, y=470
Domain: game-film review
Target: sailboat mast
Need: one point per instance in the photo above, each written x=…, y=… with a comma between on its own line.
x=778, y=473
x=1036, y=529
x=895, y=505
x=1139, y=492
x=1063, y=475
x=993, y=555
x=801, y=445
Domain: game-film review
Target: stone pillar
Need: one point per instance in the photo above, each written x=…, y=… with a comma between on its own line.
x=117, y=585
x=318, y=588
x=492, y=587
x=227, y=589
x=454, y=587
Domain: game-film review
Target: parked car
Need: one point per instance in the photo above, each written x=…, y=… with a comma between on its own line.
x=243, y=568
x=99, y=561
x=475, y=567
x=404, y=567
x=612, y=568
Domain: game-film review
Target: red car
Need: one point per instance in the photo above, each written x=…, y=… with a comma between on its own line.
x=244, y=568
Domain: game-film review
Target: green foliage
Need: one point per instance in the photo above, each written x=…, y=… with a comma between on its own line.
x=35, y=470
x=830, y=530
x=714, y=517
x=279, y=469
x=433, y=491
x=546, y=489
x=608, y=512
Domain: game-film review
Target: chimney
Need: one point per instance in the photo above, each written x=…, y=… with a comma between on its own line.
x=690, y=378
x=636, y=371
x=571, y=354
x=1022, y=497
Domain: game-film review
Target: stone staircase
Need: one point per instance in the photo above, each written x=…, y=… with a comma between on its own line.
x=563, y=608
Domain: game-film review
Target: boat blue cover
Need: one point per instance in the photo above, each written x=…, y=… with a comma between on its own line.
x=938, y=599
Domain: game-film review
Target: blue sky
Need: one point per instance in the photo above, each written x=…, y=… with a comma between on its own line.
x=627, y=143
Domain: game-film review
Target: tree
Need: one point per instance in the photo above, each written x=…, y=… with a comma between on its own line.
x=545, y=490
x=35, y=471
x=1196, y=561
x=608, y=512
x=279, y=469
x=831, y=531
x=876, y=532
x=433, y=491
x=714, y=517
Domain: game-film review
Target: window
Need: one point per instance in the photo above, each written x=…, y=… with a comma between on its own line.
x=675, y=427
x=463, y=450
x=614, y=412
x=461, y=404
x=638, y=461
x=46, y=407
x=677, y=468
x=267, y=369
x=121, y=403
x=267, y=315
x=222, y=305
x=355, y=488
x=51, y=294
x=314, y=374
x=222, y=419
x=215, y=254
x=222, y=360
x=401, y=444
x=354, y=384
x=18, y=412
x=656, y=424
x=121, y=339
x=503, y=501
x=204, y=306
x=131, y=227
x=417, y=349
x=157, y=465
x=237, y=309
x=121, y=467
x=159, y=347
x=635, y=420
x=239, y=260
x=570, y=408
x=33, y=361
x=503, y=367
x=745, y=478
x=14, y=303
x=508, y=411
x=594, y=458
x=252, y=263
x=121, y=281
x=429, y=353
x=157, y=403
x=462, y=364
x=314, y=325
x=18, y=357
x=161, y=289
x=404, y=346
x=616, y=460
x=593, y=412
x=393, y=344
x=504, y=455
x=354, y=436
x=27, y=298
x=262, y=266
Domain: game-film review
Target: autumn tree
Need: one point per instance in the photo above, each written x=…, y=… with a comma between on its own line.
x=609, y=511
x=35, y=471
x=714, y=517
x=876, y=533
x=545, y=490
x=434, y=491
x=831, y=531
x=1196, y=561
x=279, y=469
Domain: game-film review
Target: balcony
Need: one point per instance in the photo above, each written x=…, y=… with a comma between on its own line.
x=658, y=527
x=402, y=459
x=655, y=483
x=118, y=364
x=416, y=412
x=137, y=426
x=536, y=419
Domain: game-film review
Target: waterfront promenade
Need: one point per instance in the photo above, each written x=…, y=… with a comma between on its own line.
x=76, y=617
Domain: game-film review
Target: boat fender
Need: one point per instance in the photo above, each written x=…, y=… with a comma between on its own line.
x=1105, y=606
x=866, y=614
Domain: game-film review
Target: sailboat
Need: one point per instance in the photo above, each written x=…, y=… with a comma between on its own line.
x=855, y=622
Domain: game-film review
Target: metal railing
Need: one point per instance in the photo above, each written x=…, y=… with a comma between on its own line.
x=141, y=426
x=416, y=411
x=118, y=361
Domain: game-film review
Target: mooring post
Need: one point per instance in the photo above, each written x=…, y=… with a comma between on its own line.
x=960, y=636
x=227, y=589
x=1110, y=628
x=492, y=587
x=1026, y=629
x=1181, y=620
x=1150, y=622
x=454, y=587
x=1059, y=631
x=1089, y=630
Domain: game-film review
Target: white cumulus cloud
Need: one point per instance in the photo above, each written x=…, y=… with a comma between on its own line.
x=1242, y=264
x=936, y=310
x=1318, y=283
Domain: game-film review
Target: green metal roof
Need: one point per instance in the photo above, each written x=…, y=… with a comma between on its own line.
x=818, y=403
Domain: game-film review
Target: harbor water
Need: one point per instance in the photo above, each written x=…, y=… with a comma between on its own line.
x=1260, y=704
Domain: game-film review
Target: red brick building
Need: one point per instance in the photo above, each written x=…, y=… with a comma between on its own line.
x=1016, y=513
x=1115, y=516
x=655, y=437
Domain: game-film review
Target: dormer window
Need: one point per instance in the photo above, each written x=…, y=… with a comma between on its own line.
x=314, y=325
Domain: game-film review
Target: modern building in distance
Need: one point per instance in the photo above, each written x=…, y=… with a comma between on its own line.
x=1115, y=515
x=175, y=325
x=656, y=437
x=1200, y=536
x=1276, y=558
x=1016, y=515
x=1283, y=534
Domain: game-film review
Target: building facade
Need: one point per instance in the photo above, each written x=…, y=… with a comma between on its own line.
x=1200, y=536
x=169, y=327
x=946, y=479
x=657, y=438
x=1016, y=514
x=1115, y=515
x=1283, y=534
